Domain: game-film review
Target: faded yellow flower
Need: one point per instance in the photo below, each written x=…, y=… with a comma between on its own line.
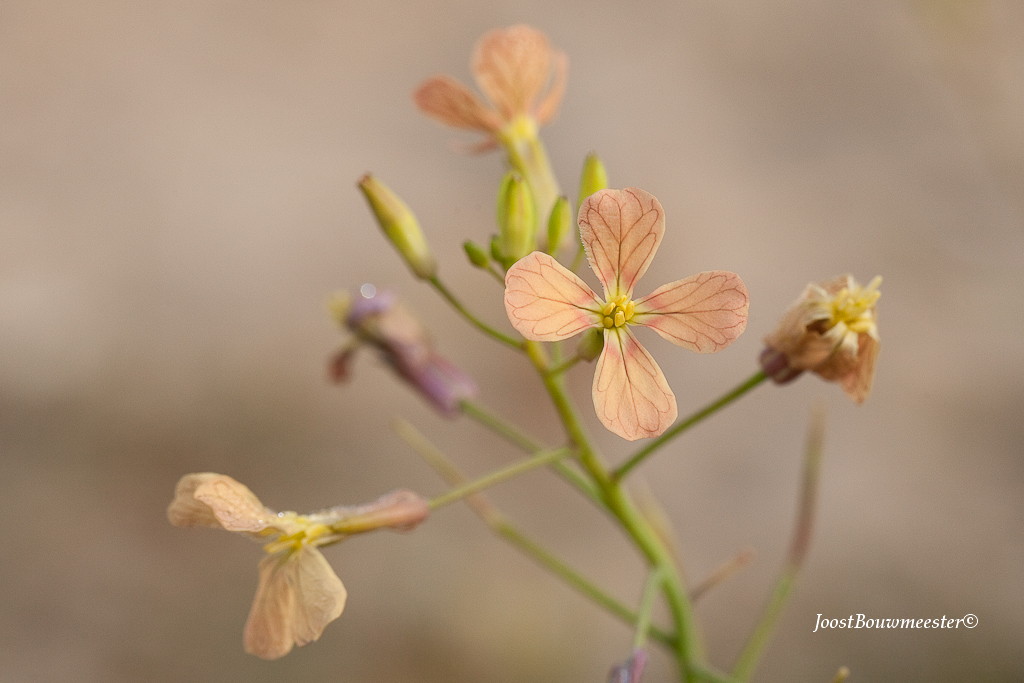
x=831, y=330
x=298, y=592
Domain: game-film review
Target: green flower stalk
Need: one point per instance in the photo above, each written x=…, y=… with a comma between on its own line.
x=400, y=226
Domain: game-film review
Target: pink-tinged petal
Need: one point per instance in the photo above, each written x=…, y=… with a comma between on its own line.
x=511, y=67
x=547, y=302
x=217, y=500
x=631, y=395
x=621, y=231
x=298, y=595
x=705, y=312
x=453, y=104
x=547, y=109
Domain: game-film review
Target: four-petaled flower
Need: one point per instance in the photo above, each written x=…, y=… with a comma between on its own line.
x=298, y=592
x=512, y=67
x=621, y=231
x=831, y=330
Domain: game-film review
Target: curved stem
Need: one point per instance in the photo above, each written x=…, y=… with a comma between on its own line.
x=476, y=322
x=498, y=476
x=681, y=426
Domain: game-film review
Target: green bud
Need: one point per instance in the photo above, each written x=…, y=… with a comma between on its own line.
x=517, y=218
x=496, y=249
x=591, y=344
x=400, y=226
x=476, y=254
x=559, y=224
x=593, y=179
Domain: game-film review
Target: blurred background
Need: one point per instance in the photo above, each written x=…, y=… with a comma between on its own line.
x=178, y=201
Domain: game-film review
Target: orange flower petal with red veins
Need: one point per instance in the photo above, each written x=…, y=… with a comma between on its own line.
x=704, y=312
x=547, y=302
x=511, y=67
x=621, y=231
x=453, y=104
x=298, y=595
x=631, y=395
x=548, y=107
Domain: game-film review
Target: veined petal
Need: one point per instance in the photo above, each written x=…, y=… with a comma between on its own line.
x=631, y=395
x=547, y=302
x=511, y=67
x=621, y=231
x=298, y=595
x=705, y=312
x=453, y=104
x=217, y=500
x=547, y=109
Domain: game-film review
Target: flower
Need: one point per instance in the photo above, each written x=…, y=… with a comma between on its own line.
x=831, y=330
x=511, y=66
x=377, y=319
x=621, y=231
x=298, y=592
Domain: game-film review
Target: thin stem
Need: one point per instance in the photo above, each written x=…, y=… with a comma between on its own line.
x=690, y=421
x=476, y=322
x=635, y=524
x=513, y=435
x=721, y=573
x=643, y=621
x=498, y=476
x=560, y=368
x=799, y=544
x=501, y=526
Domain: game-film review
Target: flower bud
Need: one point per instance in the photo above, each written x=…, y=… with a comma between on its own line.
x=559, y=224
x=400, y=226
x=517, y=219
x=476, y=254
x=591, y=344
x=593, y=179
x=402, y=510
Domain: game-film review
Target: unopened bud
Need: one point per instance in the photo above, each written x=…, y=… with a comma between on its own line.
x=400, y=226
x=593, y=178
x=591, y=344
x=476, y=254
x=517, y=218
x=559, y=224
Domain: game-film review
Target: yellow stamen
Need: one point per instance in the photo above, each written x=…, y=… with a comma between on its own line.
x=617, y=312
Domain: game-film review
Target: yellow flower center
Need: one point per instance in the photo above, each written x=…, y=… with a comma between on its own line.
x=617, y=312
x=293, y=542
x=854, y=307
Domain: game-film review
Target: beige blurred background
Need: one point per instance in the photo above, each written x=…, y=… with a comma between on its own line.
x=177, y=201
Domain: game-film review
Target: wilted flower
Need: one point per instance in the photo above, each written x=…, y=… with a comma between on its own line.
x=378, y=320
x=512, y=67
x=298, y=592
x=621, y=231
x=831, y=330
x=631, y=670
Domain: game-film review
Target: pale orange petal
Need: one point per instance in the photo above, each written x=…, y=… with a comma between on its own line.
x=547, y=302
x=511, y=67
x=631, y=395
x=297, y=596
x=233, y=504
x=453, y=104
x=547, y=109
x=621, y=231
x=705, y=312
x=216, y=500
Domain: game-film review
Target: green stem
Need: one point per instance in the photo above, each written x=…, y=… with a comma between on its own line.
x=690, y=421
x=799, y=544
x=560, y=368
x=498, y=476
x=646, y=539
x=497, y=522
x=526, y=154
x=476, y=322
x=514, y=436
x=643, y=621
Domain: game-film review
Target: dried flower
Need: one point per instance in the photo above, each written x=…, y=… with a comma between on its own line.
x=378, y=320
x=621, y=231
x=512, y=67
x=298, y=592
x=631, y=670
x=831, y=330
